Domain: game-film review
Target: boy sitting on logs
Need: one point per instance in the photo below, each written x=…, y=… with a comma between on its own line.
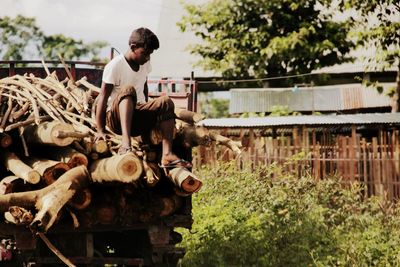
x=122, y=103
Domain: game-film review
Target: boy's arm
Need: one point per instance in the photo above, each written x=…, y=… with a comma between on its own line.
x=101, y=109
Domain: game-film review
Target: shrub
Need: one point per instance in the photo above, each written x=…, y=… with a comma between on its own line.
x=246, y=218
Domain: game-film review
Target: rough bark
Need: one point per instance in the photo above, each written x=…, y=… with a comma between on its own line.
x=47, y=132
x=49, y=200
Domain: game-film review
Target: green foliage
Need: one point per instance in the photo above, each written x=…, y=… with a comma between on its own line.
x=252, y=114
x=283, y=111
x=70, y=48
x=376, y=24
x=218, y=108
x=21, y=38
x=17, y=36
x=265, y=38
x=213, y=107
x=247, y=218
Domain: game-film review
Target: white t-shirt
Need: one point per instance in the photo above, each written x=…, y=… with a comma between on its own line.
x=118, y=72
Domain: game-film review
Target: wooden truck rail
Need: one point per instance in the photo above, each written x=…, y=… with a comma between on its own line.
x=117, y=237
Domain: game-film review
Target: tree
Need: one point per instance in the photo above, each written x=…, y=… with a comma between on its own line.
x=377, y=24
x=257, y=38
x=70, y=48
x=20, y=38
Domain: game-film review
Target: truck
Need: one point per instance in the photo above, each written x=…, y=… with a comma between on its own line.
x=108, y=232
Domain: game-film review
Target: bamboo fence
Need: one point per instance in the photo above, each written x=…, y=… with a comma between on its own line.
x=371, y=157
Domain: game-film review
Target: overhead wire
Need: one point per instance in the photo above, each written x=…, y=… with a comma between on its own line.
x=276, y=77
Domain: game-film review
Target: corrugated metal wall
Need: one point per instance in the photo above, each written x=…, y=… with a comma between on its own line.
x=318, y=98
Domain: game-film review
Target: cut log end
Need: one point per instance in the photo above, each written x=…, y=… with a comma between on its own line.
x=33, y=177
x=185, y=180
x=61, y=140
x=81, y=199
x=5, y=140
x=129, y=166
x=100, y=147
x=191, y=184
x=53, y=173
x=125, y=168
x=78, y=159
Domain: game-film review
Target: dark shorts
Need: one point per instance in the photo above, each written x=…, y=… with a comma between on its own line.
x=145, y=116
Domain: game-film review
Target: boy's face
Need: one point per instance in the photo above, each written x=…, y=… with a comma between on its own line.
x=141, y=55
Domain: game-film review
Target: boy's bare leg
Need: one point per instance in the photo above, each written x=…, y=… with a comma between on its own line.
x=167, y=131
x=126, y=109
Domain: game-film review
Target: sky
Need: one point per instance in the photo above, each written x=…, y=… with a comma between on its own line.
x=89, y=20
x=113, y=21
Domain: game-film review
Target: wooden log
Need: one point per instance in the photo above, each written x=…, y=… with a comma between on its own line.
x=185, y=179
x=5, y=140
x=16, y=115
x=90, y=146
x=73, y=134
x=125, y=168
x=50, y=170
x=100, y=146
x=46, y=133
x=222, y=140
x=67, y=155
x=194, y=136
x=49, y=200
x=82, y=199
x=18, y=216
x=188, y=116
x=13, y=163
x=88, y=85
x=170, y=205
x=152, y=173
x=180, y=192
x=12, y=184
x=106, y=214
x=6, y=115
x=26, y=122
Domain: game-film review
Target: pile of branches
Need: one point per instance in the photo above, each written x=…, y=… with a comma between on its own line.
x=51, y=168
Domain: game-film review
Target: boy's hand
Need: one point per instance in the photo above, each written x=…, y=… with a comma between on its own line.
x=101, y=136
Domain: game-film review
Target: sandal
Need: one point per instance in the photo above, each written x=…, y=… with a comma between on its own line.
x=177, y=163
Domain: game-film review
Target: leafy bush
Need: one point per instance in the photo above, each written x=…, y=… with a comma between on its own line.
x=247, y=218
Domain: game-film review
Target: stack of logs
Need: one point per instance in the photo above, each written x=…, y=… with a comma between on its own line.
x=51, y=170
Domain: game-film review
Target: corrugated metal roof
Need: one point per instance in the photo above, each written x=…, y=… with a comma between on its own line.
x=318, y=98
x=356, y=119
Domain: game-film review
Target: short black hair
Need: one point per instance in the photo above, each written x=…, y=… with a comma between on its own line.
x=143, y=37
